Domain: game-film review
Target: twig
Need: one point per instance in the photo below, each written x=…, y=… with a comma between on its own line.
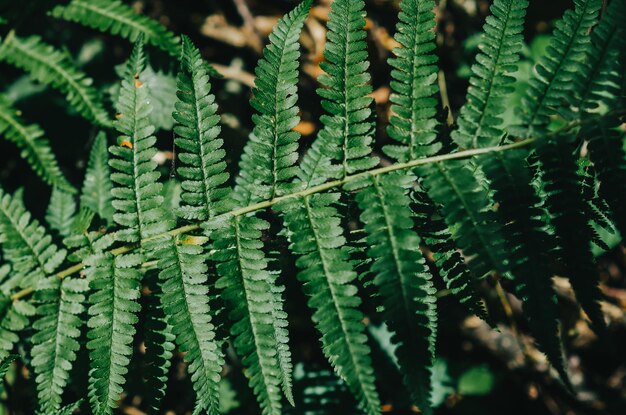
x=248, y=22
x=234, y=73
x=443, y=91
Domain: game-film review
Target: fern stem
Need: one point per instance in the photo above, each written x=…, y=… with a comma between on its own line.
x=334, y=184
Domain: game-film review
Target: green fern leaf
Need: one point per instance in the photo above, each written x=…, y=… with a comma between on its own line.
x=602, y=92
x=183, y=279
x=491, y=81
x=527, y=244
x=559, y=67
x=159, y=342
x=247, y=291
x=606, y=150
x=52, y=67
x=96, y=191
x=6, y=363
x=14, y=317
x=568, y=215
x=601, y=85
x=119, y=19
x=200, y=152
x=61, y=210
x=70, y=409
x=343, y=146
x=25, y=244
x=402, y=278
x=449, y=261
x=328, y=276
x=115, y=282
x=35, y=148
x=267, y=163
x=55, y=340
x=136, y=193
x=184, y=274
x=465, y=206
x=414, y=83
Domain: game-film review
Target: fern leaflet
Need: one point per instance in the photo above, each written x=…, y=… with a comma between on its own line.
x=136, y=193
x=267, y=163
x=200, y=150
x=491, y=79
x=25, y=244
x=559, y=67
x=115, y=283
x=119, y=19
x=246, y=286
x=55, y=342
x=61, y=210
x=402, y=278
x=328, y=276
x=96, y=191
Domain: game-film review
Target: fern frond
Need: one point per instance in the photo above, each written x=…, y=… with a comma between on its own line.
x=183, y=279
x=414, y=83
x=6, y=363
x=315, y=235
x=247, y=291
x=35, y=147
x=465, y=206
x=14, y=317
x=568, y=215
x=561, y=66
x=26, y=244
x=402, y=278
x=119, y=19
x=527, y=243
x=115, y=282
x=70, y=409
x=159, y=343
x=267, y=166
x=345, y=140
x=606, y=150
x=51, y=67
x=200, y=152
x=267, y=163
x=55, y=340
x=96, y=191
x=491, y=81
x=136, y=192
x=433, y=230
x=602, y=63
x=60, y=212
x=184, y=274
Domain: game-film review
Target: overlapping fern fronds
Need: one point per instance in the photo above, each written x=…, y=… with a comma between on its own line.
x=501, y=213
x=119, y=19
x=559, y=68
x=35, y=147
x=49, y=66
x=25, y=244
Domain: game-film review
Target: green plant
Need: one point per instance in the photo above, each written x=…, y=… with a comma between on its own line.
x=513, y=201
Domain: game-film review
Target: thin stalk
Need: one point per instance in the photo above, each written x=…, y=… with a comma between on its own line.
x=331, y=185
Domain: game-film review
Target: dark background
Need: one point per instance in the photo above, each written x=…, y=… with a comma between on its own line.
x=478, y=371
